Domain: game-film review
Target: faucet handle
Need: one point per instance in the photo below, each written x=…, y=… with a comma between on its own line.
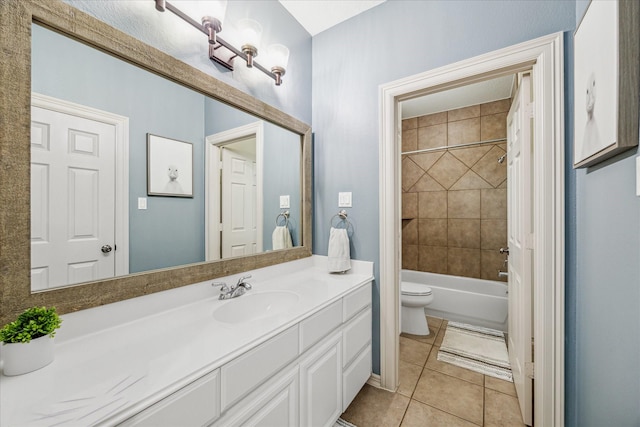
x=223, y=286
x=242, y=279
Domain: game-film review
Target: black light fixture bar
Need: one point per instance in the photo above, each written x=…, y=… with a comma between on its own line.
x=224, y=59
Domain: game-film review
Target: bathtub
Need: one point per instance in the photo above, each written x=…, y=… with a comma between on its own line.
x=463, y=299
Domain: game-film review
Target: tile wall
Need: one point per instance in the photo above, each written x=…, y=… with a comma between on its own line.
x=454, y=201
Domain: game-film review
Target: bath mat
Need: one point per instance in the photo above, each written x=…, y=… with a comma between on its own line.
x=479, y=349
x=343, y=423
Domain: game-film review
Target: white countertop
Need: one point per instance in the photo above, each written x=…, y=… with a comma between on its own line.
x=113, y=361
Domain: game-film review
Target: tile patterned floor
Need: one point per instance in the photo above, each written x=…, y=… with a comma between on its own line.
x=433, y=393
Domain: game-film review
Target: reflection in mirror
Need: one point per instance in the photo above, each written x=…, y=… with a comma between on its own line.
x=91, y=216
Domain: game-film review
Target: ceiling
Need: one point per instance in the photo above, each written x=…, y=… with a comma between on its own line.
x=464, y=96
x=319, y=15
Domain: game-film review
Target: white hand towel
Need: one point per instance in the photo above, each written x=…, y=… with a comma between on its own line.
x=339, y=254
x=281, y=238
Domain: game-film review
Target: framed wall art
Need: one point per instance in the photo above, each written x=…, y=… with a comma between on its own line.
x=169, y=167
x=606, y=77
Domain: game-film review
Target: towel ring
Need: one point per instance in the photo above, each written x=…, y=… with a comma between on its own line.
x=342, y=220
x=284, y=215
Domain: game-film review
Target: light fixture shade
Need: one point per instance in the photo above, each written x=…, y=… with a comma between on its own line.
x=250, y=32
x=197, y=9
x=278, y=56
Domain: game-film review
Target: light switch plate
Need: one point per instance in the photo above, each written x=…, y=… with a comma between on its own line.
x=142, y=203
x=284, y=202
x=344, y=200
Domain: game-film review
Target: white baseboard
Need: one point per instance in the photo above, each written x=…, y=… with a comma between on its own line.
x=374, y=380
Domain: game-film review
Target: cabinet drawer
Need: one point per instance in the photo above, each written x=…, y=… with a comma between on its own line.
x=275, y=403
x=356, y=301
x=355, y=376
x=194, y=405
x=243, y=374
x=356, y=334
x=319, y=325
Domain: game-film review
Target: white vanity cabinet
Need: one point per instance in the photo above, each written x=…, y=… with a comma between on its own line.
x=304, y=376
x=321, y=383
x=194, y=405
x=246, y=372
x=275, y=403
x=175, y=358
x=356, y=343
x=334, y=363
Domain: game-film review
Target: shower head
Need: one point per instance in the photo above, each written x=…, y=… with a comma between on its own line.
x=501, y=159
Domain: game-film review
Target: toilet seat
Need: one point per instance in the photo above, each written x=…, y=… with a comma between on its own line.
x=414, y=289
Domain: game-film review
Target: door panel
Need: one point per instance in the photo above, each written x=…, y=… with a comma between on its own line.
x=239, y=232
x=520, y=232
x=76, y=156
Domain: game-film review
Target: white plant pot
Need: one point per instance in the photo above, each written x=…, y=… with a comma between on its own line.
x=20, y=358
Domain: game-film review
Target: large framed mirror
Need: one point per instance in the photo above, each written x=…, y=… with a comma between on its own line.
x=61, y=61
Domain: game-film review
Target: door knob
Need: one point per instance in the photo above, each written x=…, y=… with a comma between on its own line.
x=106, y=249
x=504, y=251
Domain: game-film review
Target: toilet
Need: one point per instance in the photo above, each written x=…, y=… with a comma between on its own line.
x=414, y=298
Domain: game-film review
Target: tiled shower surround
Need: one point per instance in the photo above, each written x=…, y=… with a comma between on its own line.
x=454, y=201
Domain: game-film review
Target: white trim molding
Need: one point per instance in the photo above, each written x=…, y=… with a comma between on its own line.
x=545, y=57
x=374, y=381
x=121, y=126
x=212, y=183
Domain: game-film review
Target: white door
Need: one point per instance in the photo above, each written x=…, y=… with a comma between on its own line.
x=520, y=236
x=239, y=233
x=321, y=384
x=71, y=224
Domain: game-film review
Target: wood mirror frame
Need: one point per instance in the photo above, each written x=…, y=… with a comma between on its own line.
x=16, y=17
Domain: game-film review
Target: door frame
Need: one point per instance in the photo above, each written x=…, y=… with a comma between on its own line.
x=121, y=125
x=212, y=181
x=545, y=56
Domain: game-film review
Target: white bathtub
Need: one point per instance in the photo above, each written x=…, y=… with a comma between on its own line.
x=463, y=299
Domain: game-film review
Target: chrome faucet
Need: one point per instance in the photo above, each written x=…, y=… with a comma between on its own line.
x=236, y=290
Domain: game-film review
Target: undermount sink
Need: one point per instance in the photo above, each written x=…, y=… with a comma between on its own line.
x=252, y=306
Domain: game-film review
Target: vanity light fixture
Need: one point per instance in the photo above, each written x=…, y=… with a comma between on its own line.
x=278, y=57
x=251, y=32
x=223, y=52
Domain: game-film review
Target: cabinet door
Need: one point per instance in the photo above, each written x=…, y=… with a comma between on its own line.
x=355, y=376
x=321, y=384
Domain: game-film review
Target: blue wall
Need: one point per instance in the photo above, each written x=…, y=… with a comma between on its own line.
x=391, y=41
x=282, y=160
x=605, y=386
x=168, y=34
x=66, y=69
x=401, y=38
x=282, y=176
x=69, y=70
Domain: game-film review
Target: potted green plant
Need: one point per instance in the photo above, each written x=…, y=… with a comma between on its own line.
x=28, y=340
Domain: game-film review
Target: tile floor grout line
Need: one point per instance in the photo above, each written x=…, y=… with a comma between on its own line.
x=423, y=368
x=453, y=376
x=450, y=413
x=411, y=399
x=404, y=414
